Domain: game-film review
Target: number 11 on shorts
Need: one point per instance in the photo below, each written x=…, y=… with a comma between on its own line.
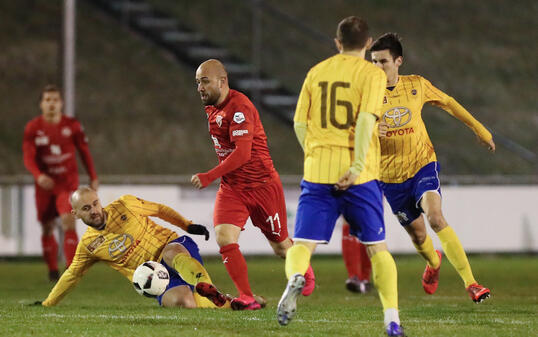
x=274, y=220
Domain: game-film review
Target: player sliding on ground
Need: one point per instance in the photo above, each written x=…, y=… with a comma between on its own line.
x=335, y=123
x=122, y=235
x=409, y=168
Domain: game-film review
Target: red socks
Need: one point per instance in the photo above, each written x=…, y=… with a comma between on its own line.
x=236, y=265
x=50, y=251
x=355, y=256
x=365, y=266
x=70, y=246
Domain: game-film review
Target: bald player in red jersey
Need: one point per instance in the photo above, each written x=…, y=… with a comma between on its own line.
x=49, y=149
x=250, y=185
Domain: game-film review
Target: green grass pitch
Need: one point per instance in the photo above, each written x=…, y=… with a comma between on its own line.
x=105, y=304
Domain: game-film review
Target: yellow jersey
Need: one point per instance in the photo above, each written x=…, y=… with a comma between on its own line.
x=128, y=239
x=334, y=92
x=407, y=147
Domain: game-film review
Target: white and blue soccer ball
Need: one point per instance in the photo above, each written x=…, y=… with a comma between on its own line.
x=151, y=279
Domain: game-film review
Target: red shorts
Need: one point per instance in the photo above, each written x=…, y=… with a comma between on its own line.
x=265, y=205
x=50, y=204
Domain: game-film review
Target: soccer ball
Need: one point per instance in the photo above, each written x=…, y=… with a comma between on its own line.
x=150, y=279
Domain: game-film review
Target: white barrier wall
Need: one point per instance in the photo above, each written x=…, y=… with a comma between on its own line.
x=486, y=218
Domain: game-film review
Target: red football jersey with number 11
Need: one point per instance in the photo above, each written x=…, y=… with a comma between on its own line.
x=237, y=120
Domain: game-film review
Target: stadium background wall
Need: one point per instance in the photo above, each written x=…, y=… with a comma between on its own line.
x=487, y=218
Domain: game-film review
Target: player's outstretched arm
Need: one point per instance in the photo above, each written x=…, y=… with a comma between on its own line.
x=458, y=111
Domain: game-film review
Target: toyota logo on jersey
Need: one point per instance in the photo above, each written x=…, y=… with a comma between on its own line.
x=119, y=245
x=397, y=116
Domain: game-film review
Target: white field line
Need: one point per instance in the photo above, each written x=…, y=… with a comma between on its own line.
x=330, y=321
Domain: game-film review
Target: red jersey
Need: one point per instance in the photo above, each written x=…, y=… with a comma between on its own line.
x=236, y=121
x=50, y=149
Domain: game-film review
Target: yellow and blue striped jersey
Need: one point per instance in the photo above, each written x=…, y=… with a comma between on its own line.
x=334, y=92
x=128, y=239
x=407, y=147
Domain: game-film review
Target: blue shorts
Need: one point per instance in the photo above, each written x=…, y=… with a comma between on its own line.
x=404, y=198
x=320, y=205
x=175, y=279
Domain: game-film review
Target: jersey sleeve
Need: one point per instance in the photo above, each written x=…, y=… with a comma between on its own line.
x=433, y=95
x=148, y=208
x=242, y=123
x=29, y=151
x=81, y=142
x=450, y=105
x=373, y=89
x=82, y=261
x=303, y=103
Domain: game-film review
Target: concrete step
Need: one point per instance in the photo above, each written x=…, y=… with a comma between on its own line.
x=238, y=68
x=259, y=84
x=207, y=52
x=179, y=36
x=280, y=100
x=129, y=6
x=155, y=22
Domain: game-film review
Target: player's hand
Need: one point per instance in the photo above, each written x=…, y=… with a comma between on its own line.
x=196, y=182
x=94, y=184
x=383, y=128
x=45, y=182
x=345, y=181
x=490, y=145
x=198, y=230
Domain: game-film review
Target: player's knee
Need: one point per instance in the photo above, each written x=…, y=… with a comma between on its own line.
x=224, y=239
x=171, y=250
x=418, y=238
x=47, y=228
x=179, y=302
x=436, y=221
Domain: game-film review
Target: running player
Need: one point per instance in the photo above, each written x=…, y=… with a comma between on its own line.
x=409, y=167
x=250, y=185
x=335, y=123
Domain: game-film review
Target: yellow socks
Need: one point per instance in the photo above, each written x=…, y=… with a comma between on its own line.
x=190, y=269
x=456, y=255
x=428, y=253
x=385, y=279
x=297, y=260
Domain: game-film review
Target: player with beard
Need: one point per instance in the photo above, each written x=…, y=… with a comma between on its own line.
x=250, y=186
x=123, y=236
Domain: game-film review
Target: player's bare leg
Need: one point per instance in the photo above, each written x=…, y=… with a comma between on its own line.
x=50, y=249
x=431, y=204
x=280, y=249
x=227, y=237
x=180, y=296
x=70, y=237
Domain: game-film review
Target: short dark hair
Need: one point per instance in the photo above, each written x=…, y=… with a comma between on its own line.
x=390, y=41
x=352, y=33
x=49, y=88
